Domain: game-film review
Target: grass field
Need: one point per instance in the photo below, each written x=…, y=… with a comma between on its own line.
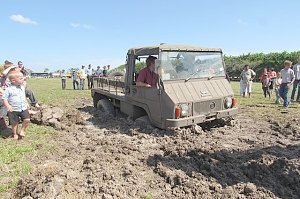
x=15, y=155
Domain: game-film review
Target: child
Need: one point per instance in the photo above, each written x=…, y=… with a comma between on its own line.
x=15, y=102
x=266, y=82
x=277, y=86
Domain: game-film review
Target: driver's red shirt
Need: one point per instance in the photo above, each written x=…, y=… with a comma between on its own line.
x=147, y=76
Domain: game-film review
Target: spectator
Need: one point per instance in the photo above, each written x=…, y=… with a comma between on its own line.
x=75, y=80
x=63, y=76
x=28, y=92
x=82, y=77
x=104, y=72
x=296, y=84
x=15, y=102
x=3, y=112
x=89, y=73
x=247, y=77
x=98, y=71
x=266, y=82
x=288, y=77
x=272, y=75
x=277, y=86
x=98, y=74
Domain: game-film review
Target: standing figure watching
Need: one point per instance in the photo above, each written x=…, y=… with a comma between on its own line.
x=247, y=77
x=277, y=84
x=28, y=92
x=63, y=76
x=82, y=76
x=15, y=102
x=75, y=80
x=296, y=84
x=288, y=77
x=89, y=74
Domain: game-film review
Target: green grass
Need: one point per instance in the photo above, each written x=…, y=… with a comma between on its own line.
x=261, y=108
x=48, y=91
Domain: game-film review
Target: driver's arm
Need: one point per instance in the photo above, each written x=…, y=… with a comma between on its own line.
x=143, y=84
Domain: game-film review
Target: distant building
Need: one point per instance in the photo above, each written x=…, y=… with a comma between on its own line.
x=40, y=75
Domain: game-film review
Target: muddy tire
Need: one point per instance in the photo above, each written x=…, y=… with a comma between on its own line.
x=106, y=106
x=143, y=120
x=96, y=99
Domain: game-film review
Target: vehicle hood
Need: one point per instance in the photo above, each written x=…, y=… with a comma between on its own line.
x=195, y=91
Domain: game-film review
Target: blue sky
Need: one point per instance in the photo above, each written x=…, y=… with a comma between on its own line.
x=63, y=34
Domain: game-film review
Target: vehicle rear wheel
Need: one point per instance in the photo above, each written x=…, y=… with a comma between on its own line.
x=106, y=106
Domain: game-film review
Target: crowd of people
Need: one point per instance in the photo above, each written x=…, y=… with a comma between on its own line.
x=281, y=82
x=14, y=93
x=79, y=77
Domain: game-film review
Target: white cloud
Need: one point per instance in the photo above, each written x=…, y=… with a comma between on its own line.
x=22, y=19
x=84, y=26
x=75, y=25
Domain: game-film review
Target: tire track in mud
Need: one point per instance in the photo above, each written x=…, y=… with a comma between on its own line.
x=100, y=156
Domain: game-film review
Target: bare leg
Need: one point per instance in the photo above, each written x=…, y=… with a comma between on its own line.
x=25, y=124
x=14, y=131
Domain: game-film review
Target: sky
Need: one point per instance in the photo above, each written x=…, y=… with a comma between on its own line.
x=64, y=34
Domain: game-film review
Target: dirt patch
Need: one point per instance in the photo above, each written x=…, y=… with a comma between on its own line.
x=101, y=156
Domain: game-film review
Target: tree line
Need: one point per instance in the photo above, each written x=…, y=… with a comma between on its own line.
x=258, y=61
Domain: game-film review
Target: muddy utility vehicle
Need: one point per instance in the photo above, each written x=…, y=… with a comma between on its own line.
x=192, y=87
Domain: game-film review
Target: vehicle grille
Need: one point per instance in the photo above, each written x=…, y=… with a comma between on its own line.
x=206, y=107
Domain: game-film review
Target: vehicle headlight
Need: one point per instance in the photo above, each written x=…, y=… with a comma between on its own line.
x=185, y=109
x=228, y=102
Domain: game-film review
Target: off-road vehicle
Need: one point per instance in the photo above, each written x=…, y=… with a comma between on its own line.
x=192, y=87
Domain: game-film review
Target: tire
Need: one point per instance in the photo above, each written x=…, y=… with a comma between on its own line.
x=106, y=106
x=143, y=120
x=96, y=99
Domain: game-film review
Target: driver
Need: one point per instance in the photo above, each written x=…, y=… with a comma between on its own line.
x=147, y=77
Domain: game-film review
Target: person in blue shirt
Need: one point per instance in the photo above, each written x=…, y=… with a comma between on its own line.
x=14, y=100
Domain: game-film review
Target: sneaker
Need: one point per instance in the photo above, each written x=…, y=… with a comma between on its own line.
x=37, y=105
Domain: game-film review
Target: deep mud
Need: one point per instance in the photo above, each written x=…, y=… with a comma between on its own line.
x=100, y=156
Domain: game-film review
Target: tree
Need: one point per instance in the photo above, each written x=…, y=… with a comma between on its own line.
x=46, y=70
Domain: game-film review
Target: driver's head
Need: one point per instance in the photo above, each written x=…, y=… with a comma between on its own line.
x=150, y=60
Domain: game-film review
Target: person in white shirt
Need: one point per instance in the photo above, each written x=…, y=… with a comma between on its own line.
x=296, y=84
x=82, y=77
x=89, y=74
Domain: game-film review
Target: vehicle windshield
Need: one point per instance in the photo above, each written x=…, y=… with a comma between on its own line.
x=189, y=65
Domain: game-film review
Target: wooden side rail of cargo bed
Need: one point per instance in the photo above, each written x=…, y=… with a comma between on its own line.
x=115, y=84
